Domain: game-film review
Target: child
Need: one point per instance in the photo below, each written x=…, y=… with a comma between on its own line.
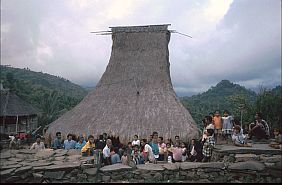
x=124, y=158
x=208, y=145
x=168, y=150
x=238, y=138
x=88, y=149
x=162, y=146
x=177, y=153
x=147, y=151
x=217, y=125
x=135, y=141
x=277, y=143
x=209, y=125
x=184, y=152
x=137, y=158
x=114, y=156
x=226, y=125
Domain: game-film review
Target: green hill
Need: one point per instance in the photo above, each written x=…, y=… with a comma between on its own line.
x=53, y=95
x=225, y=95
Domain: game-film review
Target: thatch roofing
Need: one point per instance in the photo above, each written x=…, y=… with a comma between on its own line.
x=135, y=94
x=12, y=105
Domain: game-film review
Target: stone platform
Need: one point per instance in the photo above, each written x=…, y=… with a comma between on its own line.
x=234, y=164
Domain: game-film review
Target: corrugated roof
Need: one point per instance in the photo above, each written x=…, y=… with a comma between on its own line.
x=12, y=105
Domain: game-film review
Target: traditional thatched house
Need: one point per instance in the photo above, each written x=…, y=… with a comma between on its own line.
x=135, y=94
x=16, y=115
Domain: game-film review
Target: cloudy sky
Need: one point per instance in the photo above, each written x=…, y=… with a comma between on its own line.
x=238, y=40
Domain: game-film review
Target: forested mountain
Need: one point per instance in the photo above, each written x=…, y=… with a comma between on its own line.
x=236, y=99
x=51, y=94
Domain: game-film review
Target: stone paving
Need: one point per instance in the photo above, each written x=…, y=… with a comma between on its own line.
x=61, y=166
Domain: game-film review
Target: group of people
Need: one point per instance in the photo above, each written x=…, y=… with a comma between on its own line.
x=155, y=148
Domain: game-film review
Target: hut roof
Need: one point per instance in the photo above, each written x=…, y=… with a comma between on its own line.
x=135, y=94
x=12, y=105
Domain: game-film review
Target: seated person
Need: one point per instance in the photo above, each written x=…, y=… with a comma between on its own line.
x=259, y=128
x=38, y=145
x=81, y=142
x=88, y=149
x=137, y=158
x=114, y=156
x=238, y=138
x=277, y=143
x=57, y=143
x=69, y=143
x=194, y=151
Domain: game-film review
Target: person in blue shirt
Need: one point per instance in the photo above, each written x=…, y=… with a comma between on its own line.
x=69, y=143
x=155, y=146
x=81, y=142
x=114, y=156
x=57, y=143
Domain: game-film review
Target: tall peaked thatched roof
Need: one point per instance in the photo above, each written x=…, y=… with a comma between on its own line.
x=12, y=105
x=135, y=94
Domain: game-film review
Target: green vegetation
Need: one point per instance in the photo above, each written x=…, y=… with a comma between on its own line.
x=51, y=94
x=55, y=95
x=236, y=99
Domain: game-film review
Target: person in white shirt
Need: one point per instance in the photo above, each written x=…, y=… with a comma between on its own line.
x=38, y=145
x=147, y=151
x=226, y=125
x=107, y=152
x=135, y=141
x=238, y=138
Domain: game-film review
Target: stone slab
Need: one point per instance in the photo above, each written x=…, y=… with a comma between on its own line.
x=23, y=169
x=54, y=174
x=73, y=152
x=171, y=166
x=115, y=167
x=36, y=164
x=60, y=152
x=27, y=151
x=150, y=167
x=248, y=165
x=189, y=165
x=7, y=172
x=63, y=166
x=6, y=163
x=214, y=165
x=272, y=159
x=45, y=153
x=91, y=171
x=11, y=166
x=15, y=159
x=255, y=149
x=246, y=157
x=5, y=155
x=73, y=157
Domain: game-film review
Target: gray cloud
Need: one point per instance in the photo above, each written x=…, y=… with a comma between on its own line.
x=240, y=42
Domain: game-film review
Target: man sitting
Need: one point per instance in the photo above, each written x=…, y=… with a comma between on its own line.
x=259, y=128
x=38, y=145
x=88, y=149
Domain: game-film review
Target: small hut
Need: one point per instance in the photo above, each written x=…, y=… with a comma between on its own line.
x=16, y=116
x=135, y=94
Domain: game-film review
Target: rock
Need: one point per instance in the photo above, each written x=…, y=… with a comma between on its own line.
x=82, y=176
x=5, y=155
x=6, y=163
x=106, y=178
x=115, y=167
x=11, y=166
x=214, y=165
x=27, y=151
x=25, y=175
x=269, y=164
x=7, y=172
x=62, y=166
x=89, y=159
x=37, y=175
x=158, y=176
x=61, y=158
x=248, y=165
x=20, y=156
x=58, y=162
x=272, y=159
x=54, y=175
x=85, y=166
x=60, y=152
x=189, y=165
x=45, y=153
x=150, y=167
x=23, y=169
x=13, y=178
x=171, y=166
x=36, y=164
x=246, y=157
x=91, y=171
x=116, y=177
x=73, y=152
x=74, y=157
